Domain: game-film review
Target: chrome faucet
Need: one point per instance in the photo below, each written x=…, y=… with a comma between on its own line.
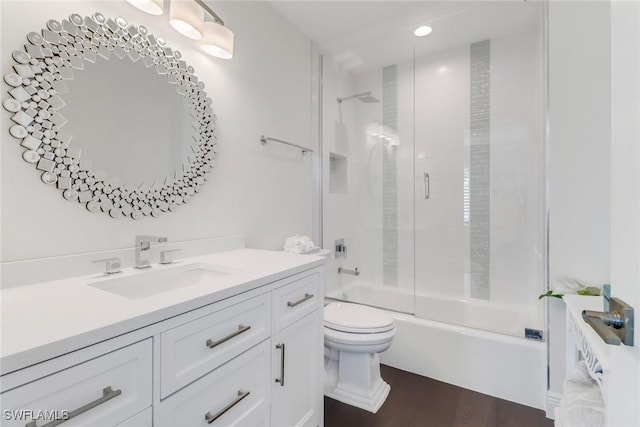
x=143, y=249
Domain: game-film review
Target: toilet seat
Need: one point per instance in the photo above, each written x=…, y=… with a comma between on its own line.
x=356, y=319
x=366, y=342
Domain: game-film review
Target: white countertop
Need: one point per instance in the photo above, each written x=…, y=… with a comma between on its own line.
x=44, y=320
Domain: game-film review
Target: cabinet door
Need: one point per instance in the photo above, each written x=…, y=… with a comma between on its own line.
x=298, y=372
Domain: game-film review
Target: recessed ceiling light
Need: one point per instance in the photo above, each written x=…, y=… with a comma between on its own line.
x=423, y=31
x=153, y=7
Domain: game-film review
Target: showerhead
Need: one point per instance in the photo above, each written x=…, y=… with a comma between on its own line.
x=368, y=99
x=363, y=97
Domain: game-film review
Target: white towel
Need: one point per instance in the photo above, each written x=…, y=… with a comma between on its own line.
x=299, y=244
x=581, y=404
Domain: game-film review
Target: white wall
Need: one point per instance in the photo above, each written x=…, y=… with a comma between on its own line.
x=625, y=152
x=595, y=159
x=625, y=186
x=580, y=159
x=263, y=192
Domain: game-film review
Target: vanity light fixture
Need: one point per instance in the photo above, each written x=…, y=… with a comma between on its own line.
x=153, y=7
x=187, y=18
x=422, y=31
x=217, y=40
x=194, y=19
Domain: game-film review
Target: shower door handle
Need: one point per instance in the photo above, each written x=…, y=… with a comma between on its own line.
x=427, y=185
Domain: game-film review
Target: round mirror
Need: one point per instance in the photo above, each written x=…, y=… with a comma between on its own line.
x=111, y=116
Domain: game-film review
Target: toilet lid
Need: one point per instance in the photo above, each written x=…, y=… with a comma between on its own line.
x=356, y=318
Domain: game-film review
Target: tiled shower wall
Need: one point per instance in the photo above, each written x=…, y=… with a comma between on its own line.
x=480, y=169
x=390, y=178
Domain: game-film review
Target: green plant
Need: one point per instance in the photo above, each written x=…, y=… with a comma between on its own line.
x=587, y=291
x=550, y=293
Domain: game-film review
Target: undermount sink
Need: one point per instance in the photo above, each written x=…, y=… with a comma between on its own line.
x=163, y=279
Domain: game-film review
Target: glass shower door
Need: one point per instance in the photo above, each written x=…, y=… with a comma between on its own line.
x=479, y=180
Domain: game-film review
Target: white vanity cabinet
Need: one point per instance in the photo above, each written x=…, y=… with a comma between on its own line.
x=297, y=398
x=253, y=358
x=238, y=383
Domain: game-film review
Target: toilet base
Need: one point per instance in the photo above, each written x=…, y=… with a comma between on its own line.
x=372, y=404
x=355, y=379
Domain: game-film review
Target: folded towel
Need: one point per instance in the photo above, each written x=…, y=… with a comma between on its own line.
x=299, y=244
x=582, y=404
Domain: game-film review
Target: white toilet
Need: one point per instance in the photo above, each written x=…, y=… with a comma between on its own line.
x=353, y=336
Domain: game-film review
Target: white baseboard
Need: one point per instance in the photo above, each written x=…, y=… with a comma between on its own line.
x=553, y=401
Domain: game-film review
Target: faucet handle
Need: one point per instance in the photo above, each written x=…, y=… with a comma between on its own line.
x=112, y=265
x=166, y=257
x=145, y=240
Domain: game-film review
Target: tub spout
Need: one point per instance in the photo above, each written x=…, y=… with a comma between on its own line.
x=346, y=271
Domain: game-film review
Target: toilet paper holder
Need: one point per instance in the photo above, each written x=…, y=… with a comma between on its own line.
x=614, y=326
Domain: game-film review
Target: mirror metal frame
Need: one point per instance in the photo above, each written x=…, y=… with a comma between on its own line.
x=36, y=86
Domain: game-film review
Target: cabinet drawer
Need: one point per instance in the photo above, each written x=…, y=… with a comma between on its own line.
x=236, y=394
x=110, y=389
x=295, y=300
x=195, y=348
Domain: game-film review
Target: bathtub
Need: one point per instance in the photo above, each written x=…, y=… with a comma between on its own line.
x=503, y=365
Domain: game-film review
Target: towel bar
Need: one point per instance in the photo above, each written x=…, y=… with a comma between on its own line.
x=265, y=139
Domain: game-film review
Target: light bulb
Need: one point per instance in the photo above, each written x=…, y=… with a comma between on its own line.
x=186, y=17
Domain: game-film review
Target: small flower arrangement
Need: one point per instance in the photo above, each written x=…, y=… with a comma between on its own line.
x=571, y=286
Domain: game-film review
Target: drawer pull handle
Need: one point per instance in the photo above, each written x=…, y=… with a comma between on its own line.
x=281, y=379
x=306, y=297
x=107, y=394
x=241, y=329
x=212, y=417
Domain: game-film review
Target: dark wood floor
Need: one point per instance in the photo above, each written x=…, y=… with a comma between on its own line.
x=416, y=401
